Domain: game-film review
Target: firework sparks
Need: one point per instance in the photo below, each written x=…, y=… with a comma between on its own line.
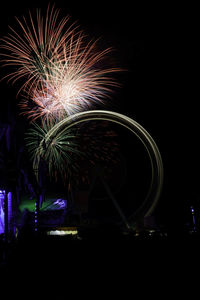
x=63, y=73
x=72, y=154
x=58, y=155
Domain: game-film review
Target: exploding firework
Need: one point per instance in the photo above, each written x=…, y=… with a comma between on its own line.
x=62, y=72
x=72, y=155
x=59, y=156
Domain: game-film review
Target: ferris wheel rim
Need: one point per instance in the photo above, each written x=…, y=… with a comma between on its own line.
x=140, y=132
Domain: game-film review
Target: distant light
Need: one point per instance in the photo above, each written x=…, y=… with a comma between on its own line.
x=2, y=193
x=69, y=231
x=61, y=203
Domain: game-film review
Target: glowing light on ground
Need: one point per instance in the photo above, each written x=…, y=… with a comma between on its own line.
x=63, y=231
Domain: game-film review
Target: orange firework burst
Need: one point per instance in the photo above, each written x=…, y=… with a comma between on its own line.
x=62, y=73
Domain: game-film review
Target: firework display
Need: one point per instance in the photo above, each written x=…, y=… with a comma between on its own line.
x=62, y=73
x=58, y=155
x=64, y=77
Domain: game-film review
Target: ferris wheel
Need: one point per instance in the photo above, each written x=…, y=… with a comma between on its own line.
x=145, y=205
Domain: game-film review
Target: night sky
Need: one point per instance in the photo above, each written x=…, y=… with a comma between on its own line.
x=157, y=47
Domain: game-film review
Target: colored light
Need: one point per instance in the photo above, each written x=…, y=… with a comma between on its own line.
x=60, y=203
x=2, y=193
x=69, y=231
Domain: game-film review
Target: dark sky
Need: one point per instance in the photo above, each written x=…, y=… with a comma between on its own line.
x=158, y=47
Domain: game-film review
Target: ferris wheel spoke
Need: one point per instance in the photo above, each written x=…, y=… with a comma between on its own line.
x=123, y=217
